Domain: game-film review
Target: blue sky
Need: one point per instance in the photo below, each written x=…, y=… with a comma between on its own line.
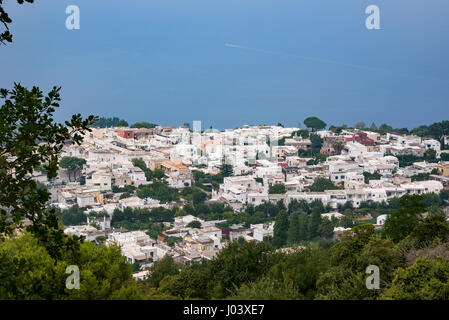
x=165, y=61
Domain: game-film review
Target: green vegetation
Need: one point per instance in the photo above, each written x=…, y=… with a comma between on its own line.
x=73, y=216
x=144, y=124
x=371, y=176
x=319, y=158
x=172, y=240
x=207, y=182
x=135, y=219
x=73, y=165
x=323, y=184
x=277, y=188
x=149, y=175
x=194, y=224
x=413, y=264
x=29, y=135
x=110, y=122
x=158, y=190
x=28, y=271
x=314, y=123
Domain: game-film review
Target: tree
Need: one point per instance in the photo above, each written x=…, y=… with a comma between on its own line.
x=140, y=163
x=385, y=128
x=293, y=233
x=371, y=176
x=303, y=227
x=110, y=122
x=280, y=229
x=360, y=125
x=322, y=184
x=302, y=268
x=357, y=249
x=28, y=271
x=338, y=146
x=72, y=216
x=143, y=125
x=73, y=165
x=424, y=280
x=194, y=224
x=160, y=269
x=401, y=222
x=6, y=20
x=268, y=289
x=29, y=138
x=433, y=227
x=314, y=224
x=277, y=188
x=317, y=143
x=439, y=129
x=237, y=264
x=226, y=170
x=326, y=228
x=314, y=123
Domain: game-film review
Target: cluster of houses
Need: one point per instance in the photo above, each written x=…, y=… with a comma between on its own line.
x=258, y=162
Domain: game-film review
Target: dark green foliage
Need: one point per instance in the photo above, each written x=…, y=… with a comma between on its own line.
x=314, y=223
x=421, y=177
x=280, y=229
x=172, y=240
x=194, y=224
x=149, y=175
x=158, y=190
x=138, y=219
x=73, y=165
x=326, y=228
x=30, y=139
x=5, y=20
x=226, y=170
x=240, y=263
x=432, y=228
x=371, y=176
x=302, y=269
x=298, y=206
x=293, y=233
x=110, y=122
x=425, y=280
x=143, y=125
x=160, y=269
x=277, y=188
x=27, y=271
x=323, y=184
x=268, y=289
x=314, y=123
x=73, y=216
x=319, y=158
x=201, y=179
x=402, y=222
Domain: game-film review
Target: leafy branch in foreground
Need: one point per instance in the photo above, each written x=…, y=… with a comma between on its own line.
x=5, y=20
x=29, y=138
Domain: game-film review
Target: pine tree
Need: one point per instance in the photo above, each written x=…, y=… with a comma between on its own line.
x=280, y=229
x=293, y=229
x=302, y=232
x=326, y=228
x=315, y=221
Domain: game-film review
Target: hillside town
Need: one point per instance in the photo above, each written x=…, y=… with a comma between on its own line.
x=187, y=193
